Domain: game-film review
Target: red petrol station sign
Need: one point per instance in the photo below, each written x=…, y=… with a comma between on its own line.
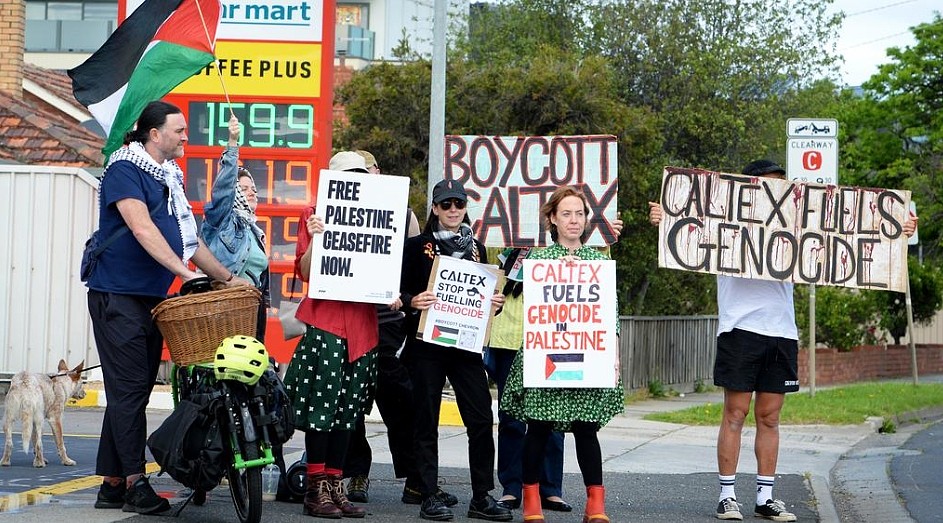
x=276, y=61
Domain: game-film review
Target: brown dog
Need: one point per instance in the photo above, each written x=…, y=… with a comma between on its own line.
x=36, y=397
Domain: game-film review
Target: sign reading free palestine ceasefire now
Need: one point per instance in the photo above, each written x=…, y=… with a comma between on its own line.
x=764, y=228
x=359, y=254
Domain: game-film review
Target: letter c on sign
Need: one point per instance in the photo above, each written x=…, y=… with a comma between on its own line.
x=812, y=160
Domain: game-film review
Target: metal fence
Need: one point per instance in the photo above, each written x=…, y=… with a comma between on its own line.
x=675, y=351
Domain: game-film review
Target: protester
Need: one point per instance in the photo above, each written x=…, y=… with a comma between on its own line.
x=757, y=361
x=507, y=332
x=229, y=224
x=330, y=373
x=447, y=233
x=394, y=400
x=231, y=232
x=582, y=411
x=141, y=189
x=507, y=335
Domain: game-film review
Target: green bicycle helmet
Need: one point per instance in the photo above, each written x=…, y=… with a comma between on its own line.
x=241, y=358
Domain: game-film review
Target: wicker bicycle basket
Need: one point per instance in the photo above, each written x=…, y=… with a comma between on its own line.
x=193, y=325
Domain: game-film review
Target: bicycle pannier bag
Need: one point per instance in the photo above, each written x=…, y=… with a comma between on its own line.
x=188, y=445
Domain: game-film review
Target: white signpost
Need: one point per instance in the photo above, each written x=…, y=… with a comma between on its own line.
x=812, y=150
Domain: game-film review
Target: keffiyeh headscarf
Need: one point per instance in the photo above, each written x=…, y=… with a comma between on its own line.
x=456, y=244
x=169, y=175
x=240, y=206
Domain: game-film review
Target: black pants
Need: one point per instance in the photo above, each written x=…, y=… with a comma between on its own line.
x=466, y=372
x=129, y=347
x=588, y=452
x=394, y=399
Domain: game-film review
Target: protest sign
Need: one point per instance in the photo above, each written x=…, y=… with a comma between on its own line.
x=508, y=178
x=461, y=317
x=570, y=324
x=359, y=255
x=765, y=228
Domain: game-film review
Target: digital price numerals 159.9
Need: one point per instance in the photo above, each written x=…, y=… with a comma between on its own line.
x=288, y=126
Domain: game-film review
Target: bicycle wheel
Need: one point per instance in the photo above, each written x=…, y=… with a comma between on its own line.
x=246, y=487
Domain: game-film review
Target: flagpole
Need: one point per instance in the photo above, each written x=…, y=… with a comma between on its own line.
x=219, y=73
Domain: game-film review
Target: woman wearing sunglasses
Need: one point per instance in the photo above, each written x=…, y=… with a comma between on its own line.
x=447, y=233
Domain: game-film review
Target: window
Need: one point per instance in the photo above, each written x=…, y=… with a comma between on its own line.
x=63, y=11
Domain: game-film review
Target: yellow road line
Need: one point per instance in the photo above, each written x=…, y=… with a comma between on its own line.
x=42, y=494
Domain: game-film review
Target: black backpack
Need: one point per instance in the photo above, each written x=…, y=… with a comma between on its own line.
x=189, y=445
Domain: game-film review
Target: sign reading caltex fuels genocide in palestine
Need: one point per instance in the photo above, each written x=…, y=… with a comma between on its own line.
x=765, y=228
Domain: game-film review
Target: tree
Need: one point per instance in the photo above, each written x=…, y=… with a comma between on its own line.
x=926, y=296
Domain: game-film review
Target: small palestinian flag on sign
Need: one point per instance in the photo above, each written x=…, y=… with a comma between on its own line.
x=564, y=367
x=446, y=335
x=160, y=45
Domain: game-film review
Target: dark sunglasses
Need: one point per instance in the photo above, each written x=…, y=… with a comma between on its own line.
x=447, y=204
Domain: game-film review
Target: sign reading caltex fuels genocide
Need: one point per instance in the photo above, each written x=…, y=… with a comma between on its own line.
x=570, y=324
x=508, y=179
x=461, y=315
x=359, y=255
x=765, y=228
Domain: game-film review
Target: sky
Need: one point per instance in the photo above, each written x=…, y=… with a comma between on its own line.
x=871, y=26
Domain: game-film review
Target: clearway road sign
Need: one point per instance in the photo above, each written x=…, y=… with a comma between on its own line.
x=813, y=160
x=811, y=127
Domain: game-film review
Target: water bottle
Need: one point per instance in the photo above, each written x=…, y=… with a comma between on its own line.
x=269, y=482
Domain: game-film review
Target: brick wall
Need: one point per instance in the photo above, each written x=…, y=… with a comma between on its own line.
x=12, y=30
x=869, y=363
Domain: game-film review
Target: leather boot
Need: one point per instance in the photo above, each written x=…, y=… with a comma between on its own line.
x=339, y=497
x=595, y=505
x=533, y=513
x=318, y=502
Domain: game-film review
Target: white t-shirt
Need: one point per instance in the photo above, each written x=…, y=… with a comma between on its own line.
x=761, y=306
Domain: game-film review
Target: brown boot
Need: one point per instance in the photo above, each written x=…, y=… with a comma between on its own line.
x=318, y=501
x=595, y=505
x=533, y=513
x=339, y=496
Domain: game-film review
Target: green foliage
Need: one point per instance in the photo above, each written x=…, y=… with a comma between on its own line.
x=851, y=404
x=842, y=316
x=887, y=426
x=926, y=292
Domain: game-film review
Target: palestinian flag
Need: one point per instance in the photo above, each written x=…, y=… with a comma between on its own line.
x=445, y=335
x=160, y=45
x=564, y=367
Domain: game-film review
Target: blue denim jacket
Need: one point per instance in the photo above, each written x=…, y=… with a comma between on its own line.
x=227, y=237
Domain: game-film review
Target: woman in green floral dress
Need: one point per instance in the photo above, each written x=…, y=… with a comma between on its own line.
x=582, y=411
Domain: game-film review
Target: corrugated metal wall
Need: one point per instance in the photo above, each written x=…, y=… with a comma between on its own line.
x=49, y=213
x=929, y=334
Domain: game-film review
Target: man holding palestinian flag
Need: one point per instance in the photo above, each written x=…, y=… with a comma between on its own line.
x=162, y=44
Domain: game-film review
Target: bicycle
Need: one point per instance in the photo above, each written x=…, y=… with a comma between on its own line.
x=249, y=412
x=245, y=417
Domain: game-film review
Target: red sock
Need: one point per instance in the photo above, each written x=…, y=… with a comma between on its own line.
x=315, y=468
x=333, y=472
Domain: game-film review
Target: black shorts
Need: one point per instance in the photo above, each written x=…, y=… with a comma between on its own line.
x=748, y=362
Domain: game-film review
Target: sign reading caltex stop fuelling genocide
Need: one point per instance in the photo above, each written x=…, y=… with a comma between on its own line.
x=771, y=229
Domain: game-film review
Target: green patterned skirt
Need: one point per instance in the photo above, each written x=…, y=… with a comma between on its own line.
x=327, y=391
x=562, y=406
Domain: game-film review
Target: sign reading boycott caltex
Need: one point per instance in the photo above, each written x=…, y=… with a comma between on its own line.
x=461, y=317
x=764, y=228
x=570, y=324
x=508, y=178
x=359, y=255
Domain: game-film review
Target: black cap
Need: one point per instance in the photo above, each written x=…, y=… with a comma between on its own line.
x=447, y=189
x=761, y=167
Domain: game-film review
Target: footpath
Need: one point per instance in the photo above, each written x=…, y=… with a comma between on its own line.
x=654, y=471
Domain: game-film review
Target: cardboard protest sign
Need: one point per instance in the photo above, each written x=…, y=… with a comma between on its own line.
x=461, y=317
x=508, y=178
x=359, y=255
x=764, y=228
x=570, y=324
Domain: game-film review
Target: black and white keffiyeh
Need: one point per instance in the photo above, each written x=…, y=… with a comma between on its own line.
x=240, y=206
x=169, y=175
x=456, y=244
